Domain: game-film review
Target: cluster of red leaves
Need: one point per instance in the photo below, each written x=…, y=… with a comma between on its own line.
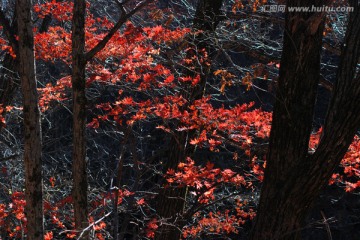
x=193, y=58
x=258, y=167
x=12, y=218
x=224, y=222
x=2, y=119
x=253, y=4
x=53, y=93
x=151, y=227
x=204, y=180
x=7, y=48
x=61, y=11
x=5, y=45
x=239, y=124
x=53, y=44
x=133, y=48
x=134, y=44
x=350, y=164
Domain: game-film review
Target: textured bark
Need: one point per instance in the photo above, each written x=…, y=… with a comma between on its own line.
x=79, y=60
x=32, y=125
x=207, y=17
x=79, y=117
x=293, y=177
x=171, y=201
x=9, y=79
x=117, y=185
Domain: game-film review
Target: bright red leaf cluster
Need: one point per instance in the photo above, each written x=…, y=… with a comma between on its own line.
x=204, y=180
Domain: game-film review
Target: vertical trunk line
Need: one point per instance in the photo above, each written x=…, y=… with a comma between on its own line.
x=284, y=200
x=171, y=201
x=80, y=184
x=32, y=122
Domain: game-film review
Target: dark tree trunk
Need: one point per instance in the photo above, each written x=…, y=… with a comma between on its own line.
x=293, y=177
x=79, y=117
x=32, y=125
x=171, y=201
x=79, y=61
x=9, y=79
x=207, y=16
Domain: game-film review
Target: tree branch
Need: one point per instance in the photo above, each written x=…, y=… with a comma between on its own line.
x=9, y=157
x=124, y=17
x=265, y=59
x=45, y=23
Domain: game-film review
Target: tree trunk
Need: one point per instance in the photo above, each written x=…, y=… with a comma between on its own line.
x=79, y=60
x=293, y=177
x=32, y=122
x=171, y=201
x=79, y=117
x=9, y=81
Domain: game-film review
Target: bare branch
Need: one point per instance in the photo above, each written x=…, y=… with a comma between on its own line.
x=9, y=157
x=89, y=55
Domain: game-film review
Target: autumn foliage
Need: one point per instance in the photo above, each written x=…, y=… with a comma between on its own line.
x=144, y=89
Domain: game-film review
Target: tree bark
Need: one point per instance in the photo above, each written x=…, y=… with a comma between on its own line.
x=79, y=117
x=293, y=177
x=32, y=122
x=79, y=61
x=9, y=79
x=171, y=201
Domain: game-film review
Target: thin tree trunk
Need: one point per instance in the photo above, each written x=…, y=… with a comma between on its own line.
x=32, y=122
x=117, y=185
x=79, y=117
x=79, y=60
x=293, y=177
x=171, y=201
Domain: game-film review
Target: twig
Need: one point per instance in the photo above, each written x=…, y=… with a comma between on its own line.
x=9, y=157
x=90, y=54
x=87, y=228
x=327, y=227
